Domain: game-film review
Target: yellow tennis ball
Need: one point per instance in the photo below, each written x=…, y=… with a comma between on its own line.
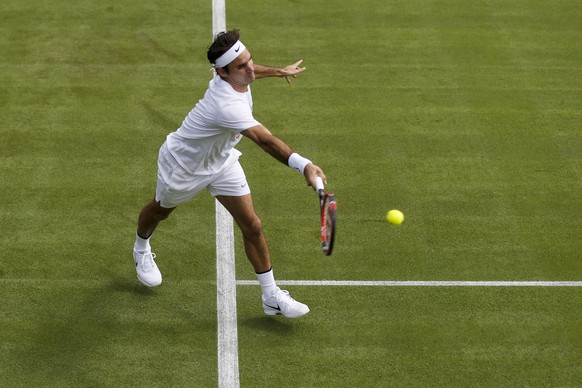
x=395, y=217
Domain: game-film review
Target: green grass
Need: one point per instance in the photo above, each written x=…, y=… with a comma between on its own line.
x=417, y=337
x=464, y=115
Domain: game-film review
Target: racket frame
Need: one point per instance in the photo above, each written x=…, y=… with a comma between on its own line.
x=327, y=207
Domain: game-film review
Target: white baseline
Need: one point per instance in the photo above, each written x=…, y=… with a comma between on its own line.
x=418, y=283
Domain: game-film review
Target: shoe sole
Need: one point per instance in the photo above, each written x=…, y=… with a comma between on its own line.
x=271, y=311
x=150, y=285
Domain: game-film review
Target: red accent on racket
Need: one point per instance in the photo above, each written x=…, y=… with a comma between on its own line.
x=328, y=207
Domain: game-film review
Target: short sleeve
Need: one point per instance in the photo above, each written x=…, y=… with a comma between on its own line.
x=237, y=116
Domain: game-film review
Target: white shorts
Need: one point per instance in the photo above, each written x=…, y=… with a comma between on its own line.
x=176, y=186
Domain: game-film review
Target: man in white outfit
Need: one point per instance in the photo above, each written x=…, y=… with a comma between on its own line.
x=201, y=155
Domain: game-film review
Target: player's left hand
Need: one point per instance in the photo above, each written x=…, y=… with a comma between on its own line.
x=292, y=70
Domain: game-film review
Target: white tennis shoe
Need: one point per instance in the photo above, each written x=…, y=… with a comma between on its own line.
x=146, y=268
x=280, y=303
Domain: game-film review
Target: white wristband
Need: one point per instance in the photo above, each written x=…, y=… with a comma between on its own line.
x=298, y=162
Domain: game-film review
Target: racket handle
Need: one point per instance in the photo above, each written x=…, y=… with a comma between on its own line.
x=318, y=184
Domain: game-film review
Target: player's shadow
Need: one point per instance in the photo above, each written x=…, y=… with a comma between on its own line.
x=275, y=325
x=124, y=284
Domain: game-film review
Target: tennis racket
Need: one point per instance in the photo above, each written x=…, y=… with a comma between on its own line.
x=327, y=207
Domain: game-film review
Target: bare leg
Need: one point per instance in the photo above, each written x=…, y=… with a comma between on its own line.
x=145, y=266
x=149, y=218
x=275, y=301
x=243, y=212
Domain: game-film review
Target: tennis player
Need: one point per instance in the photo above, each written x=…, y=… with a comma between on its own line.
x=201, y=155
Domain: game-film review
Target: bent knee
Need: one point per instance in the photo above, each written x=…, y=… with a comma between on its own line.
x=158, y=212
x=253, y=228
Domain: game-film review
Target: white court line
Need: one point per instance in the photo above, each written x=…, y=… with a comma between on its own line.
x=227, y=341
x=417, y=283
x=227, y=332
x=218, y=16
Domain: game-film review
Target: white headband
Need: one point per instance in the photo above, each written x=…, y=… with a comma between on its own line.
x=230, y=55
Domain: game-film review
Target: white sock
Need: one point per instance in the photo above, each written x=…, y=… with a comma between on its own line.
x=267, y=282
x=142, y=244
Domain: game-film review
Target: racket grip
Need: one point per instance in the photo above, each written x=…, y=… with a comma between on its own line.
x=318, y=184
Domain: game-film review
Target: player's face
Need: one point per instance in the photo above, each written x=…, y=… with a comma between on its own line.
x=241, y=70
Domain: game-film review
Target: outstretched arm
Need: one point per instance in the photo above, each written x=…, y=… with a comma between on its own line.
x=262, y=71
x=278, y=149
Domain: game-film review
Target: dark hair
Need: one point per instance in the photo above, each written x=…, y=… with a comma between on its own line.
x=223, y=41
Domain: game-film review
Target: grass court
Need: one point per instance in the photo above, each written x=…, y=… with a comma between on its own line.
x=465, y=115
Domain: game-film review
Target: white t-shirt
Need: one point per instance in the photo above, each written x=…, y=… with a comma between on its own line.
x=205, y=141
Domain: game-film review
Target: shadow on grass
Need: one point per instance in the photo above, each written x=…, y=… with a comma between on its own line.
x=124, y=284
x=275, y=325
